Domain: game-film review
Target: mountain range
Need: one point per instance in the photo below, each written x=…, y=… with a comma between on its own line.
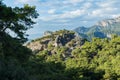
x=102, y=29
x=75, y=38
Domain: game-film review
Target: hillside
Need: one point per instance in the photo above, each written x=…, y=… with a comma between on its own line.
x=63, y=54
x=52, y=41
x=102, y=29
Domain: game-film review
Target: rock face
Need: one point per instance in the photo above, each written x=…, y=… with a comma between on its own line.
x=57, y=41
x=102, y=29
x=62, y=38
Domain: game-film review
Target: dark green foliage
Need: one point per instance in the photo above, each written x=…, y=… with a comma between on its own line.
x=95, y=60
x=17, y=20
x=11, y=69
x=13, y=55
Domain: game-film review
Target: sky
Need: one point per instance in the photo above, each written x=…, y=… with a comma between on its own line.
x=67, y=14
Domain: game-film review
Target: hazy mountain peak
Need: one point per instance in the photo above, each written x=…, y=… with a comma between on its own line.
x=108, y=22
x=102, y=29
x=82, y=29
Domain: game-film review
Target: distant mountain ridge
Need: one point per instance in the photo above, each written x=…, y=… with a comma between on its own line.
x=75, y=38
x=102, y=29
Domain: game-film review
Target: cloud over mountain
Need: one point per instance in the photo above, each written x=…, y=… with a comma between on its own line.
x=72, y=13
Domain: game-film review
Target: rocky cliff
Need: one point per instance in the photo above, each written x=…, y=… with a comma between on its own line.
x=68, y=40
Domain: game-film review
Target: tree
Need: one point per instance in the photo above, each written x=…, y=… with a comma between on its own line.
x=13, y=55
x=16, y=20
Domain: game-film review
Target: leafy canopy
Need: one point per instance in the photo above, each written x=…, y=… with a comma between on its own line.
x=16, y=20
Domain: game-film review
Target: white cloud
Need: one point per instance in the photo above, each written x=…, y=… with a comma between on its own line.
x=26, y=1
x=72, y=14
x=22, y=1
x=97, y=12
x=51, y=11
x=109, y=10
x=104, y=12
x=87, y=5
x=73, y=2
x=48, y=18
x=69, y=10
x=68, y=14
x=106, y=4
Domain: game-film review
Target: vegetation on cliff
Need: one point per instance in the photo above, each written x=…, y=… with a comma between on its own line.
x=95, y=60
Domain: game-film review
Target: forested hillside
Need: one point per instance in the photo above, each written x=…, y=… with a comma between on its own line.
x=95, y=60
x=61, y=55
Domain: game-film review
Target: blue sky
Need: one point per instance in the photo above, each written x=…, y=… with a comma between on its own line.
x=68, y=14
